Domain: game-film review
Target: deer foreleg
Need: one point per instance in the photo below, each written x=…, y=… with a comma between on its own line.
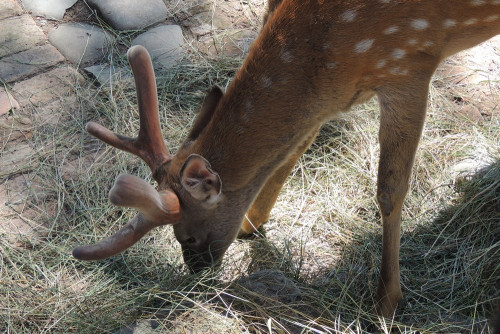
x=402, y=118
x=259, y=212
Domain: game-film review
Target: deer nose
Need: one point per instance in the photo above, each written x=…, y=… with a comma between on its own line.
x=195, y=261
x=193, y=241
x=190, y=242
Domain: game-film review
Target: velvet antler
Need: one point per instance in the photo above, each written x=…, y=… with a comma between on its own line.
x=156, y=208
x=149, y=144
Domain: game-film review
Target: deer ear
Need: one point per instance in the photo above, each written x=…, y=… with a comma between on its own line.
x=207, y=110
x=199, y=180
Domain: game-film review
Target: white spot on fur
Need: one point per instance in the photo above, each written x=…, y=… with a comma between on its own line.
x=385, y=1
x=286, y=56
x=266, y=82
x=477, y=2
x=495, y=2
x=398, y=53
x=331, y=65
x=471, y=21
x=491, y=18
x=449, y=23
x=348, y=15
x=391, y=30
x=326, y=46
x=412, y=41
x=428, y=44
x=398, y=71
x=419, y=24
x=381, y=63
x=364, y=45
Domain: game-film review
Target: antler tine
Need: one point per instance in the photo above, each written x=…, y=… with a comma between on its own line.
x=149, y=144
x=117, y=243
x=156, y=208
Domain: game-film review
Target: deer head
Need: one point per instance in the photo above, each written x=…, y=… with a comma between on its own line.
x=188, y=188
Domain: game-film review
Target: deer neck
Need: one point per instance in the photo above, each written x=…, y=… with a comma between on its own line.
x=252, y=132
x=258, y=123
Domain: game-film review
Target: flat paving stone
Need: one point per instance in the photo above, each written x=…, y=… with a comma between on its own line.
x=50, y=116
x=15, y=192
x=25, y=63
x=131, y=14
x=51, y=9
x=47, y=87
x=18, y=159
x=7, y=103
x=82, y=44
x=14, y=130
x=164, y=44
x=9, y=8
x=19, y=33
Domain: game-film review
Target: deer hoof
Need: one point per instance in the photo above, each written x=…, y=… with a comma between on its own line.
x=387, y=302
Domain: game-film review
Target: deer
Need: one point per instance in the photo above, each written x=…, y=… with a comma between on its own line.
x=311, y=60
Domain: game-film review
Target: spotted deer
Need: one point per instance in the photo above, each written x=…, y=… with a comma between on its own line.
x=312, y=59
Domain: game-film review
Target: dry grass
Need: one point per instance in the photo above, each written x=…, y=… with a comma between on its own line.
x=324, y=233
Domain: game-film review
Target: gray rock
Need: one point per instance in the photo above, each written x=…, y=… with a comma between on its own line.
x=131, y=14
x=51, y=9
x=141, y=327
x=164, y=44
x=108, y=75
x=271, y=284
x=9, y=8
x=82, y=44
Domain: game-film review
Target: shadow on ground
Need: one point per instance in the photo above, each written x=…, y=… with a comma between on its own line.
x=450, y=277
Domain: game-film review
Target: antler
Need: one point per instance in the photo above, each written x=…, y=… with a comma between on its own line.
x=156, y=208
x=149, y=145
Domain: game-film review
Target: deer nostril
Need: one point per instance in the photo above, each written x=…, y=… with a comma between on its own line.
x=190, y=241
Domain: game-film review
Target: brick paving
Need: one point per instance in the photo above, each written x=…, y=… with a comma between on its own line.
x=36, y=84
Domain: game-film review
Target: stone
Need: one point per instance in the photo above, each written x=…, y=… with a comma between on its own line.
x=9, y=8
x=19, y=33
x=51, y=9
x=44, y=88
x=74, y=169
x=164, y=43
x=14, y=130
x=50, y=116
x=131, y=14
x=25, y=63
x=271, y=284
x=470, y=112
x=460, y=75
x=198, y=319
x=82, y=44
x=234, y=43
x=107, y=75
x=18, y=218
x=17, y=190
x=17, y=160
x=141, y=327
x=7, y=103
